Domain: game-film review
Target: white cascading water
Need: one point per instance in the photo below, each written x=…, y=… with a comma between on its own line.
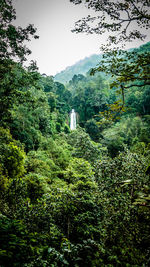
x=72, y=120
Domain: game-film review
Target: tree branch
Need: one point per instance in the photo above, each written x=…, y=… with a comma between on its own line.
x=138, y=85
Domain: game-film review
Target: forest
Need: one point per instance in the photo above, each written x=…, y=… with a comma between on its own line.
x=76, y=198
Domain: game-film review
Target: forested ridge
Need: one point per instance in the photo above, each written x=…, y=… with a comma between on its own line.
x=73, y=198
x=80, y=67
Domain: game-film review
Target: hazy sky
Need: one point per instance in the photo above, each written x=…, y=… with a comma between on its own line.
x=57, y=46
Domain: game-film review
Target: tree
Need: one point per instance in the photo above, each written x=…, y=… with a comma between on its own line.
x=12, y=156
x=125, y=21
x=128, y=68
x=12, y=37
x=116, y=17
x=14, y=79
x=124, y=185
x=84, y=147
x=89, y=95
x=12, y=48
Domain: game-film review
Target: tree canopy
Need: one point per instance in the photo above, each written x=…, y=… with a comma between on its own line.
x=12, y=38
x=71, y=198
x=124, y=21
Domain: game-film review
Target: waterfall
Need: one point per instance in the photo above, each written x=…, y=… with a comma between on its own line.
x=72, y=120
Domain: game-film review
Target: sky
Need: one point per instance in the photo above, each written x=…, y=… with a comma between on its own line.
x=57, y=47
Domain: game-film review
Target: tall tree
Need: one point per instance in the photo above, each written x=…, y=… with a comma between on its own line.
x=124, y=21
x=12, y=37
x=13, y=52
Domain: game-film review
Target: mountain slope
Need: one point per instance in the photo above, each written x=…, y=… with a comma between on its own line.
x=84, y=65
x=81, y=67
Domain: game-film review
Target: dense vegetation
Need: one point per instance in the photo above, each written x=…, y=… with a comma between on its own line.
x=71, y=198
x=80, y=67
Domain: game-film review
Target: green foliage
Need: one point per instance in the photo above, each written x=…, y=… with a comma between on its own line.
x=120, y=181
x=4, y=181
x=137, y=100
x=128, y=69
x=112, y=113
x=11, y=78
x=13, y=38
x=37, y=185
x=115, y=18
x=66, y=129
x=84, y=147
x=93, y=130
x=12, y=156
x=30, y=117
x=48, y=162
x=52, y=101
x=89, y=95
x=14, y=242
x=72, y=201
x=129, y=131
x=78, y=169
x=81, y=67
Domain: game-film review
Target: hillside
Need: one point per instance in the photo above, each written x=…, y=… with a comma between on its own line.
x=81, y=67
x=84, y=65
